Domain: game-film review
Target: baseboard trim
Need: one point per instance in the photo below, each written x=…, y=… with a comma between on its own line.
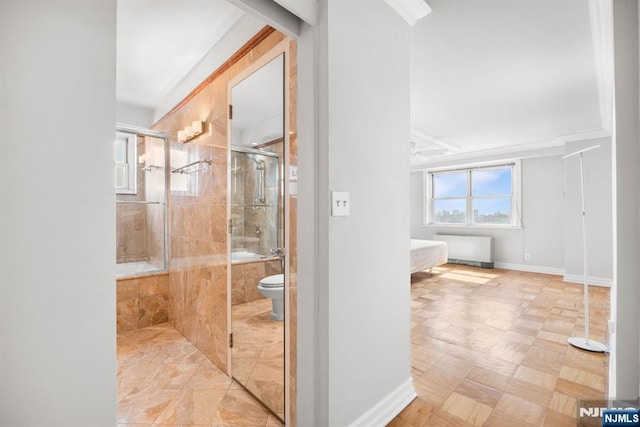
x=569, y=278
x=593, y=281
x=530, y=268
x=386, y=410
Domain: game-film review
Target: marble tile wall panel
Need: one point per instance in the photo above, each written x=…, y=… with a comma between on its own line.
x=246, y=276
x=198, y=215
x=142, y=302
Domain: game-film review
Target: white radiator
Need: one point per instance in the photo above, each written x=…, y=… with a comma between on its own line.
x=471, y=250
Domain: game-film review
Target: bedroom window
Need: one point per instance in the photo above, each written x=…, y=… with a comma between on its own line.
x=480, y=196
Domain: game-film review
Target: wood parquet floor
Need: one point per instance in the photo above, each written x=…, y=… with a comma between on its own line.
x=489, y=348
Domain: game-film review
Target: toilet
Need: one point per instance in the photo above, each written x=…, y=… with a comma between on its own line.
x=273, y=287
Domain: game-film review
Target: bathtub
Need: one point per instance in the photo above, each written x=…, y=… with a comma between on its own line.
x=241, y=256
x=130, y=269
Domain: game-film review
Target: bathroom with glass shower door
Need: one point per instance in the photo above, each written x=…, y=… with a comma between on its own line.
x=257, y=156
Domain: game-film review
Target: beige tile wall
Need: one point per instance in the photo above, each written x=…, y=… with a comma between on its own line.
x=142, y=302
x=198, y=214
x=246, y=276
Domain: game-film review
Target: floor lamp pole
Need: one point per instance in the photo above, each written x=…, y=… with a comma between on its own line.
x=585, y=343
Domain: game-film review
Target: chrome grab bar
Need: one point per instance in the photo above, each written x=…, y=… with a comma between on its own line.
x=149, y=168
x=181, y=169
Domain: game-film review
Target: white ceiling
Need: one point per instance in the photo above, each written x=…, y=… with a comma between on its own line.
x=160, y=41
x=487, y=74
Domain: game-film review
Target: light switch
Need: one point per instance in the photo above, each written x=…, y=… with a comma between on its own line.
x=340, y=203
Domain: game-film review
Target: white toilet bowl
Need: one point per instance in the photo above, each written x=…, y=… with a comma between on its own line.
x=273, y=287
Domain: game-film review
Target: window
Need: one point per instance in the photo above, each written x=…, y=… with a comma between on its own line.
x=483, y=195
x=125, y=163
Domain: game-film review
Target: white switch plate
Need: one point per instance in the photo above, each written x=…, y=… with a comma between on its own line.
x=340, y=203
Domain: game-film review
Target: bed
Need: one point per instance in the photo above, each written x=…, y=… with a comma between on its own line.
x=426, y=254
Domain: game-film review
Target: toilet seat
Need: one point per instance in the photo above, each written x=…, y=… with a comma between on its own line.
x=275, y=281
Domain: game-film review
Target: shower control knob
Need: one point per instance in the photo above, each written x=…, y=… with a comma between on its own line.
x=277, y=251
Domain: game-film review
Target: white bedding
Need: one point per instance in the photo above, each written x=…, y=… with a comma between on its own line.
x=426, y=254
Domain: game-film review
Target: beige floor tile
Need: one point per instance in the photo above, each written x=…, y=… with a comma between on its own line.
x=534, y=376
x=530, y=392
x=500, y=419
x=489, y=378
x=479, y=392
x=238, y=408
x=467, y=409
x=557, y=419
x=171, y=376
x=192, y=407
x=144, y=405
x=564, y=404
x=418, y=412
x=582, y=377
x=520, y=409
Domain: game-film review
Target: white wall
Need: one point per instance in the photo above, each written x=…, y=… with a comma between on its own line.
x=542, y=219
x=624, y=377
x=598, y=184
x=551, y=216
x=361, y=268
x=542, y=212
x=246, y=27
x=309, y=400
x=57, y=221
x=134, y=115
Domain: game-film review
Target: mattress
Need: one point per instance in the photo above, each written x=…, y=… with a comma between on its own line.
x=426, y=254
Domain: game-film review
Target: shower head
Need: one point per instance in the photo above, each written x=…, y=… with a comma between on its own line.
x=259, y=164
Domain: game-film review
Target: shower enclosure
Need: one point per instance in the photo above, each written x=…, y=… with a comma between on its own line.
x=140, y=157
x=255, y=203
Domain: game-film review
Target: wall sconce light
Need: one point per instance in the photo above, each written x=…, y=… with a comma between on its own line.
x=190, y=132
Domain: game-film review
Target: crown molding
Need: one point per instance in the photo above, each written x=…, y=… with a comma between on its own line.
x=585, y=135
x=423, y=138
x=529, y=150
x=410, y=10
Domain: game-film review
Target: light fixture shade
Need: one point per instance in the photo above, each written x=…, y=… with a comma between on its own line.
x=196, y=127
x=182, y=137
x=188, y=131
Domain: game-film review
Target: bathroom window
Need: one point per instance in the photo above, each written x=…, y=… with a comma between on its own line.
x=485, y=195
x=125, y=163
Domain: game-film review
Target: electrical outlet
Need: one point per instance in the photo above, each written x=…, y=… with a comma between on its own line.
x=527, y=257
x=340, y=203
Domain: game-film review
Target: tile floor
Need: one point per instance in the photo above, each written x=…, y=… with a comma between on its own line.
x=489, y=348
x=258, y=352
x=163, y=380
